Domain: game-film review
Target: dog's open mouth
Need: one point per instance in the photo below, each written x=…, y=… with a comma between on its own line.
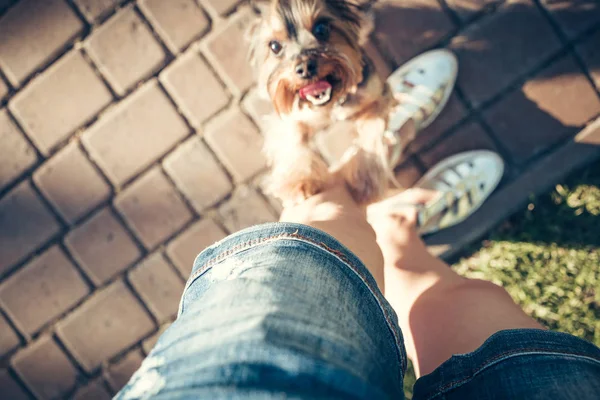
x=318, y=93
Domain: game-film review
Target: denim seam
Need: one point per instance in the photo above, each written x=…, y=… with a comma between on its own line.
x=295, y=236
x=501, y=357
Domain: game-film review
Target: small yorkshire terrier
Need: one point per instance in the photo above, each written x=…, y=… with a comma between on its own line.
x=310, y=59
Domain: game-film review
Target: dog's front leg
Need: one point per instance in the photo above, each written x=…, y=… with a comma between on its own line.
x=297, y=172
x=363, y=167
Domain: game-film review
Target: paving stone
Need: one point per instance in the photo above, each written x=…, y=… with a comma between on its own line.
x=192, y=163
x=71, y=184
x=95, y=9
x=42, y=290
x=10, y=388
x=334, y=142
x=194, y=88
x=237, y=143
x=45, y=369
x=135, y=133
x=590, y=52
x=3, y=89
x=178, y=22
x=246, y=208
x=149, y=343
x=102, y=247
x=60, y=100
x=113, y=317
x=574, y=17
x=221, y=6
x=25, y=225
x=8, y=338
x=125, y=50
x=492, y=56
x=407, y=27
x=152, y=208
x=4, y=4
x=467, y=9
x=468, y=137
x=227, y=50
x=17, y=154
x=94, y=390
x=588, y=135
x=454, y=112
x=33, y=32
x=119, y=373
x=258, y=107
x=158, y=285
x=552, y=106
x=563, y=91
x=184, y=249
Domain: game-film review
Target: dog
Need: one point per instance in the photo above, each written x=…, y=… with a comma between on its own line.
x=311, y=64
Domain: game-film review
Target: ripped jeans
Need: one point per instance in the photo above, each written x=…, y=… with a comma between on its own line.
x=286, y=311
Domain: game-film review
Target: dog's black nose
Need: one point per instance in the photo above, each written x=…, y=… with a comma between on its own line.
x=307, y=68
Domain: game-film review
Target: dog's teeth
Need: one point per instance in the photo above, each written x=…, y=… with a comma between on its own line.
x=321, y=98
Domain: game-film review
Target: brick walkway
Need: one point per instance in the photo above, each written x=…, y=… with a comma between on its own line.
x=130, y=139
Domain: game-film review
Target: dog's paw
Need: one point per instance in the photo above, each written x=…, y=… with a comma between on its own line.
x=364, y=176
x=365, y=191
x=299, y=178
x=296, y=189
x=310, y=187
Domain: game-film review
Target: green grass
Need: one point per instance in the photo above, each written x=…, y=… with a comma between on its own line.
x=547, y=256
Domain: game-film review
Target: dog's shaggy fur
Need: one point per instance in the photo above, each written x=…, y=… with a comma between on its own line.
x=310, y=61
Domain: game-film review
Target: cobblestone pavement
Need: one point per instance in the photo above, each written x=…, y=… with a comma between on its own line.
x=130, y=139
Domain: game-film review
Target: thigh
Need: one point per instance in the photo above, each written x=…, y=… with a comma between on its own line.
x=518, y=364
x=281, y=310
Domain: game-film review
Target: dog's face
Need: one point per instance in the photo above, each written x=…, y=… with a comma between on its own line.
x=307, y=53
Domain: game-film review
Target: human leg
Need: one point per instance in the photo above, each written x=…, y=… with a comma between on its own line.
x=467, y=338
x=336, y=213
x=439, y=312
x=282, y=310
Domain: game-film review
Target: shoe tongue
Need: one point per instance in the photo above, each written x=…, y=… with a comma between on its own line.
x=314, y=89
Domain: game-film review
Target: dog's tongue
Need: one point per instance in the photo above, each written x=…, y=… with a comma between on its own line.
x=315, y=89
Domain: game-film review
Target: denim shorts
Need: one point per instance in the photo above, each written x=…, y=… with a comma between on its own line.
x=286, y=311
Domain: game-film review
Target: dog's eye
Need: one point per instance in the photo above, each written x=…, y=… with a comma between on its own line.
x=275, y=46
x=321, y=30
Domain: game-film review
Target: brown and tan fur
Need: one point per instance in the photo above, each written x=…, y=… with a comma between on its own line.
x=358, y=95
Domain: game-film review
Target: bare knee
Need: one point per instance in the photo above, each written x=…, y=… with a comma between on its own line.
x=480, y=286
x=487, y=300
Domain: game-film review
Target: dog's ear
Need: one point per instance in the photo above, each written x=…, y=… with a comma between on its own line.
x=259, y=6
x=367, y=18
